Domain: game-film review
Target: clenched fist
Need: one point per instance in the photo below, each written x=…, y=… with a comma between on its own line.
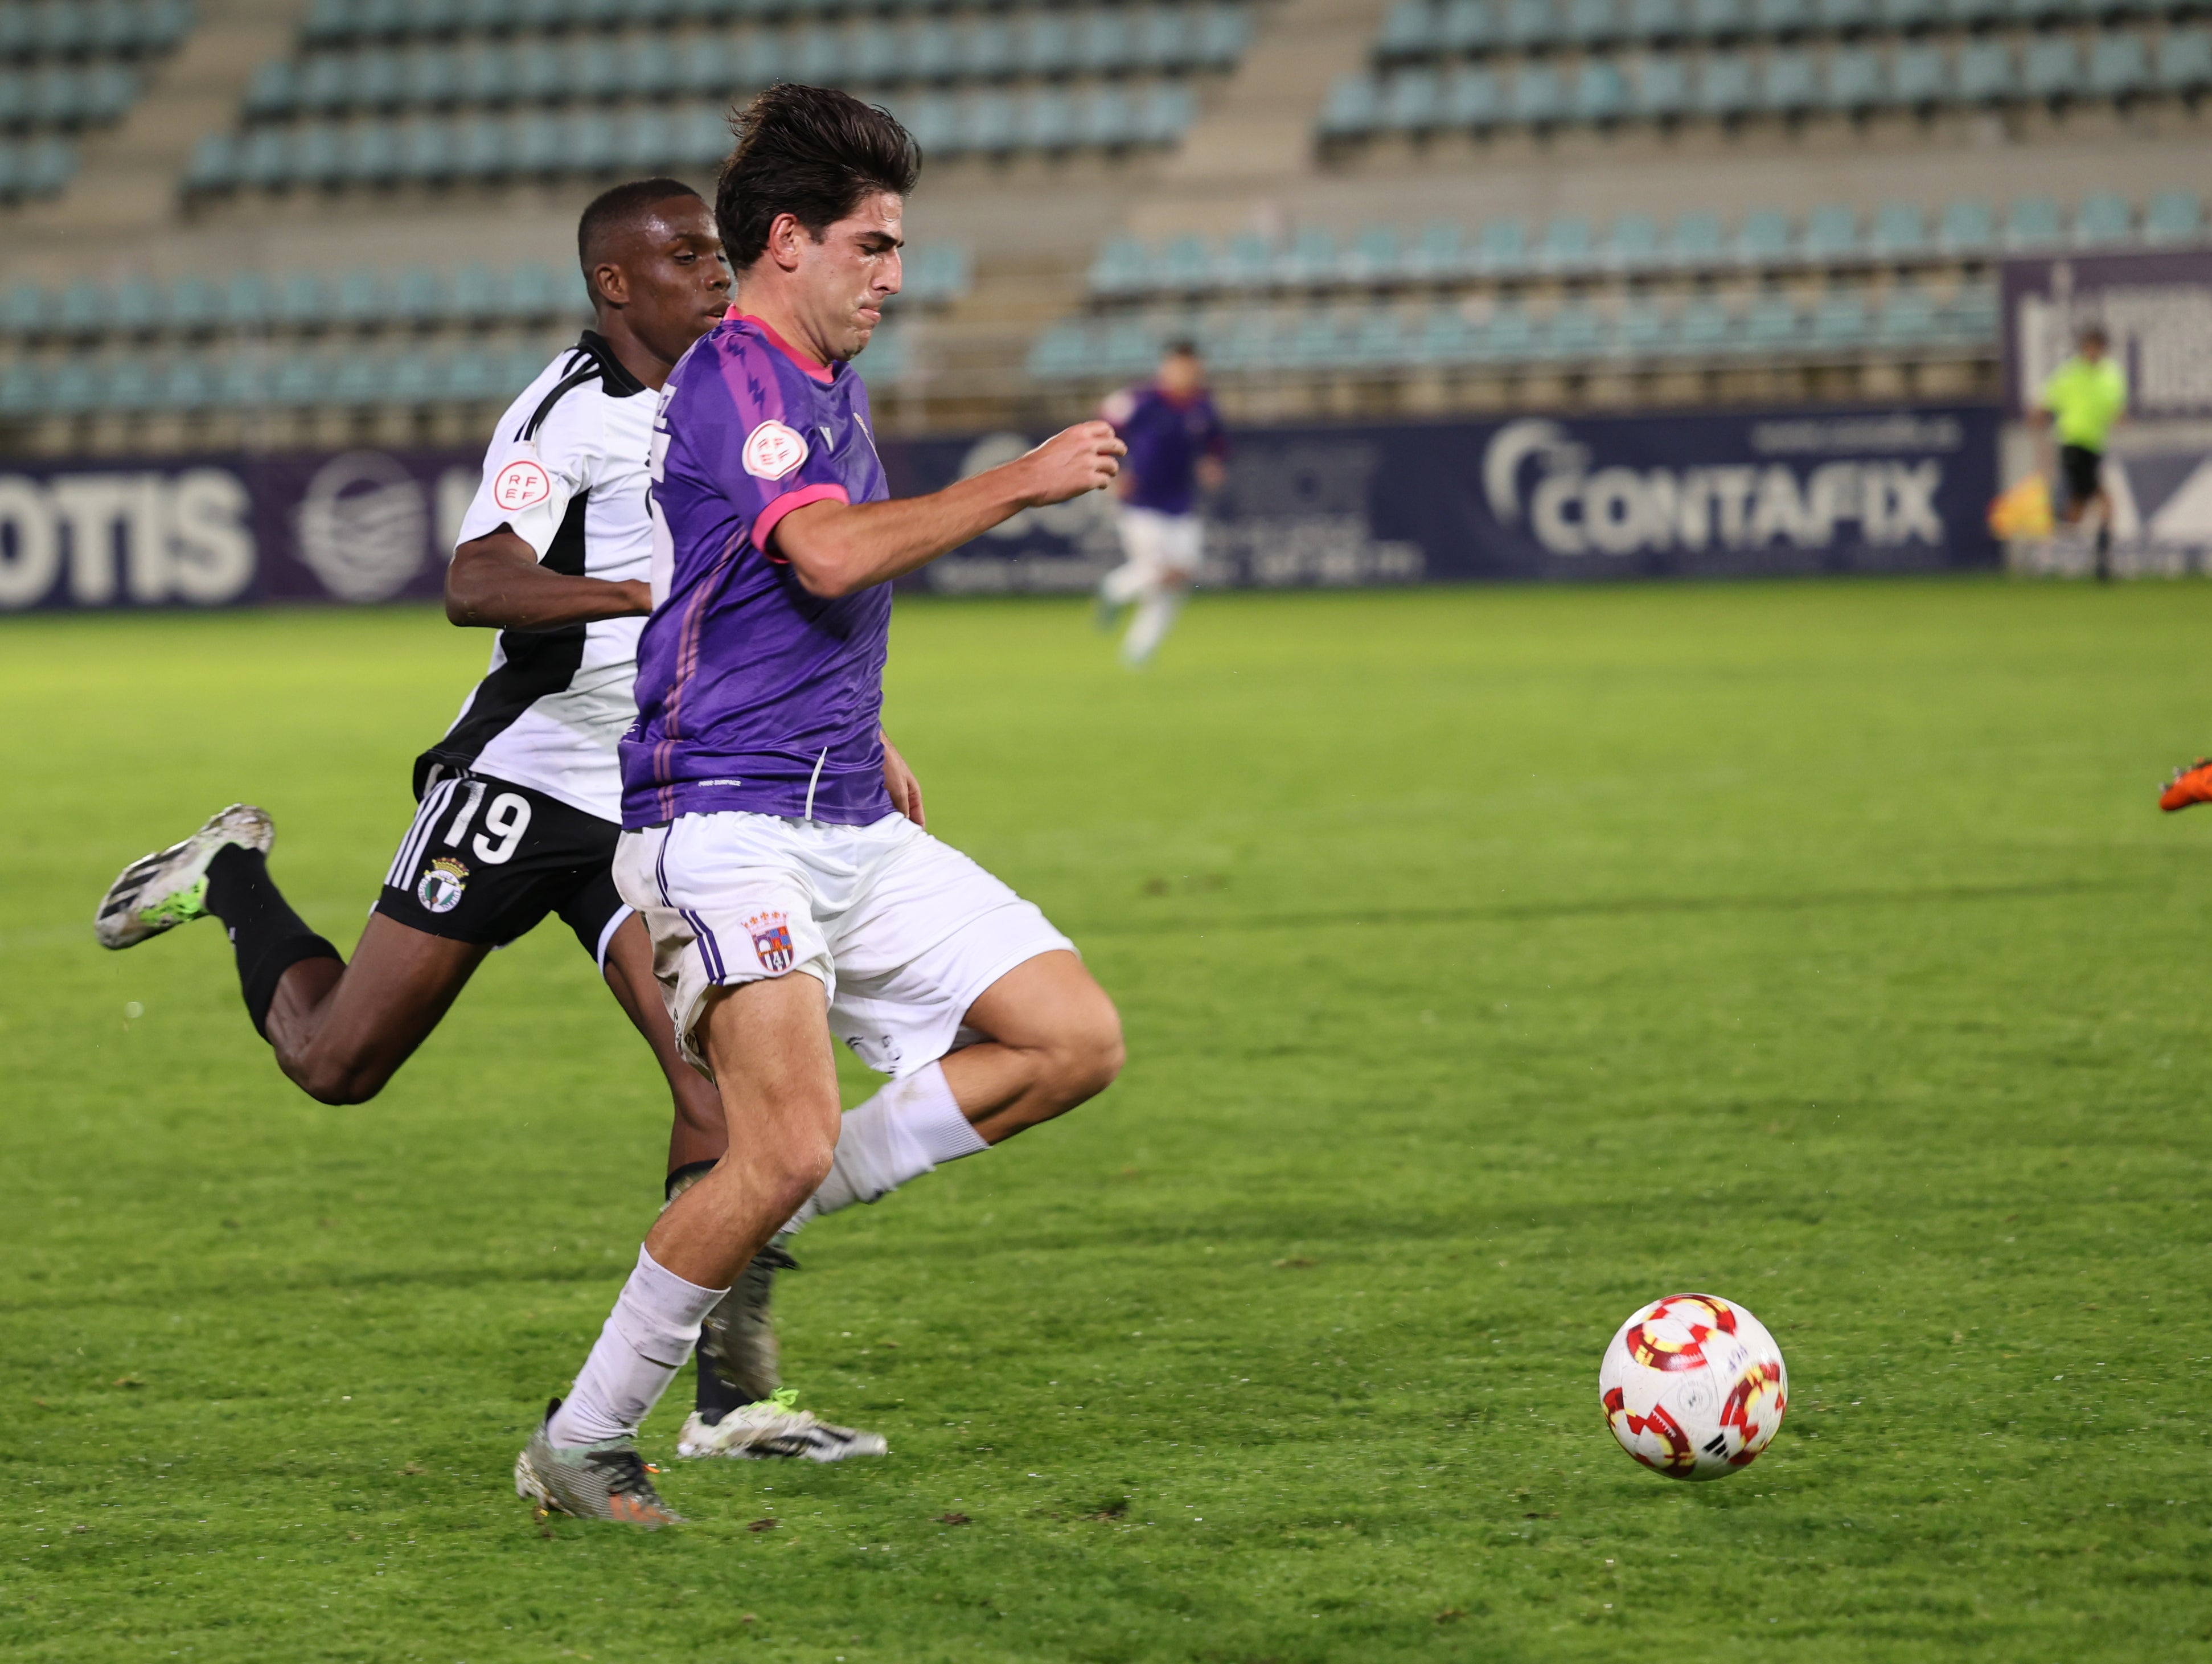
x=1077, y=460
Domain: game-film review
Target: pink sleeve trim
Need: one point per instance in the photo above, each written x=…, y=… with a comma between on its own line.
x=766, y=521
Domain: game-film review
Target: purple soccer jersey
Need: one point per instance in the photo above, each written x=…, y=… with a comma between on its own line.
x=753, y=694
x=1165, y=438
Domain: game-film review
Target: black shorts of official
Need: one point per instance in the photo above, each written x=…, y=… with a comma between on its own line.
x=486, y=861
x=2082, y=469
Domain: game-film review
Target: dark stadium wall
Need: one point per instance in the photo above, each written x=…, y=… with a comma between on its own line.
x=1565, y=498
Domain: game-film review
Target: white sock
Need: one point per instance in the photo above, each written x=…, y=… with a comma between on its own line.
x=1124, y=584
x=648, y=1336
x=908, y=1128
x=1156, y=613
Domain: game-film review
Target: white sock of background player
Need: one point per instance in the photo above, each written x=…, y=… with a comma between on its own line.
x=909, y=1128
x=1155, y=616
x=647, y=1337
x=1125, y=583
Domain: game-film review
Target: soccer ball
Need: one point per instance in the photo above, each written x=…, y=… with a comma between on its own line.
x=1694, y=1387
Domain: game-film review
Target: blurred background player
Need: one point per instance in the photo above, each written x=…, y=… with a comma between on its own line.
x=2080, y=402
x=1177, y=445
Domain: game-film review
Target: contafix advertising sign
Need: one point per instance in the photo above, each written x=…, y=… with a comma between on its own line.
x=1536, y=497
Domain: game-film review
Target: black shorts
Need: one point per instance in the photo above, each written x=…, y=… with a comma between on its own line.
x=2082, y=469
x=486, y=861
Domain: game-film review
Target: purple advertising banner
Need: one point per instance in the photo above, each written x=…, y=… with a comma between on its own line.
x=1564, y=499
x=2156, y=309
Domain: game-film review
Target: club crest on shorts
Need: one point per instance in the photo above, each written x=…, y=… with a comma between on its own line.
x=440, y=887
x=773, y=450
x=771, y=934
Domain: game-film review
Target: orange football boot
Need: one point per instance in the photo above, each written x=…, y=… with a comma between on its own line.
x=2190, y=785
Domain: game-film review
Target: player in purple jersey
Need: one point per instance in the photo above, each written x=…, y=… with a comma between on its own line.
x=1176, y=448
x=786, y=899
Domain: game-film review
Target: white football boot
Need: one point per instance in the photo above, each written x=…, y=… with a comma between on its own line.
x=168, y=887
x=773, y=1428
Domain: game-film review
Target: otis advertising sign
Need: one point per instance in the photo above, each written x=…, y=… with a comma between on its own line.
x=1536, y=497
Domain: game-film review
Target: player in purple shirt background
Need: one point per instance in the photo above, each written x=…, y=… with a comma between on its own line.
x=786, y=899
x=1177, y=446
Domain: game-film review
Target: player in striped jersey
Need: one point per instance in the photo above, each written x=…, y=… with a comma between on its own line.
x=521, y=801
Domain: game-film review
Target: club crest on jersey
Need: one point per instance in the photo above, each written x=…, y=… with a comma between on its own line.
x=520, y=484
x=772, y=450
x=440, y=887
x=771, y=934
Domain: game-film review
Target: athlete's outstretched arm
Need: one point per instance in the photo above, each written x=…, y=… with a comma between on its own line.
x=836, y=548
x=495, y=582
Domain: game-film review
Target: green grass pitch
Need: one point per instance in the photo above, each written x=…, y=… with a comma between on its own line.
x=1492, y=962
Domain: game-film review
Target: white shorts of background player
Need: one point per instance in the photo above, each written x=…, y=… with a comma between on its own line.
x=903, y=932
x=1157, y=544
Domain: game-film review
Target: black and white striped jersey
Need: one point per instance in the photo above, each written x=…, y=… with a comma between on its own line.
x=566, y=472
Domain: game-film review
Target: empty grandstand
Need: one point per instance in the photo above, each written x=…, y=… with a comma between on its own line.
x=272, y=222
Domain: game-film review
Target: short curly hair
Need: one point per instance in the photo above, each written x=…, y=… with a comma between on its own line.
x=811, y=152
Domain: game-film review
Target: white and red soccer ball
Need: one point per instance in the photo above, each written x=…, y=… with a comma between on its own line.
x=1693, y=1387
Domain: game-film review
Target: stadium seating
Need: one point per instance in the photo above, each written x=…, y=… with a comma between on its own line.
x=32, y=169
x=434, y=93
x=66, y=67
x=1385, y=339
x=1830, y=237
x=1444, y=66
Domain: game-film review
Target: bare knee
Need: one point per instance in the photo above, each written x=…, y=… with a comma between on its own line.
x=1083, y=1059
x=336, y=1079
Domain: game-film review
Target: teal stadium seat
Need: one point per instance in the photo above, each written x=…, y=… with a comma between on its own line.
x=186, y=384
x=2173, y=217
x=1969, y=227
x=1853, y=80
x=1764, y=238
x=135, y=308
x=1770, y=326
x=430, y=75
x=74, y=388
x=1662, y=88
x=2119, y=67
x=1047, y=45
x=1987, y=73
x=1047, y=121
x=241, y=383
x=1599, y=94
x=380, y=81
x=1832, y=233
x=1511, y=336
x=358, y=301
x=1533, y=23
x=1719, y=20
x=1908, y=317
x=1568, y=244
x=1909, y=16
x=429, y=151
x=302, y=302
x=1378, y=340
x=1311, y=258
x=45, y=167
x=1061, y=351
x=1840, y=322
x=2033, y=223
x=215, y=164
x=2185, y=61
x=131, y=385
x=1847, y=17
x=1633, y=244
x=1901, y=230
x=1502, y=247
x=484, y=149
x=247, y=304
x=541, y=72
x=1538, y=98
x=81, y=312
x=1105, y=44
x=22, y=390
x=1974, y=13
x=1413, y=103
x=273, y=93
x=1375, y=256
x=1972, y=315
x=989, y=48
x=2103, y=220
x=1704, y=327
x=1223, y=33
x=2053, y=68
x=1353, y=109
x=872, y=56
x=419, y=299
x=647, y=139
x=23, y=312
x=1409, y=30
x=1577, y=334
x=1591, y=23
x=1698, y=241
x=1473, y=99
x=1655, y=20
x=1165, y=115
x=1439, y=252
x=588, y=143
x=1466, y=25
x=989, y=126
x=1643, y=330
x=1123, y=267
x=1919, y=77
x=1445, y=338
x=1779, y=18
x=1791, y=83
x=1724, y=86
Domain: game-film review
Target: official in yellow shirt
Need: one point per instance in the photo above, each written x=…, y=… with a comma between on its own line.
x=2080, y=402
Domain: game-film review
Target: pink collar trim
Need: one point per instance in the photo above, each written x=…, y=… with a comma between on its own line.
x=814, y=367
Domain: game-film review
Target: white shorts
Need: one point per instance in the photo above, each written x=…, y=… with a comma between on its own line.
x=1158, y=542
x=903, y=932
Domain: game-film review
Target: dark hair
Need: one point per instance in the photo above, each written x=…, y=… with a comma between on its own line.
x=612, y=209
x=811, y=152
x=2094, y=334
x=1181, y=347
